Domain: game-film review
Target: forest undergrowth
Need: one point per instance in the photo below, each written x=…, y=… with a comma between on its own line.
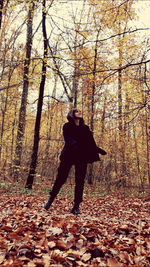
x=112, y=230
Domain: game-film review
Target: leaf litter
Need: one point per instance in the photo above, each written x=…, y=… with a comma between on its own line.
x=110, y=231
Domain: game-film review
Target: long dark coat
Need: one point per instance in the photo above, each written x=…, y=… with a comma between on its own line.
x=79, y=143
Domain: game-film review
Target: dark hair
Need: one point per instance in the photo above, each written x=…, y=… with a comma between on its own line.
x=71, y=116
x=71, y=113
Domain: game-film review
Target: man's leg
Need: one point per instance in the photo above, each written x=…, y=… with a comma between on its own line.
x=80, y=173
x=63, y=171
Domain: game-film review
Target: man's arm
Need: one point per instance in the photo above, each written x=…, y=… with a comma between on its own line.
x=98, y=149
x=101, y=151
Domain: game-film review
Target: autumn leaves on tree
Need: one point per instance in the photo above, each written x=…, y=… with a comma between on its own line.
x=91, y=56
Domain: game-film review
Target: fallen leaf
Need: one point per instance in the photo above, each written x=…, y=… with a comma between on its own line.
x=86, y=257
x=2, y=257
x=51, y=244
x=113, y=263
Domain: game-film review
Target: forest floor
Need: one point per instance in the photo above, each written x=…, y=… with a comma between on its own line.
x=112, y=230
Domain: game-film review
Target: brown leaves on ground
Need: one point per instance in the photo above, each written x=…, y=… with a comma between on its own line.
x=110, y=231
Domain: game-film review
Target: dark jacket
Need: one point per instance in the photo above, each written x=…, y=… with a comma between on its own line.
x=79, y=143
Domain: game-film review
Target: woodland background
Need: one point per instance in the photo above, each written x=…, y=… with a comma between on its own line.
x=87, y=54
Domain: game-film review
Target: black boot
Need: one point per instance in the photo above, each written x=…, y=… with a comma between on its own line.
x=75, y=210
x=48, y=204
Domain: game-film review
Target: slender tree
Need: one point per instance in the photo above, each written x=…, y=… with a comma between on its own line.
x=1, y=11
x=4, y=109
x=147, y=124
x=33, y=164
x=22, y=113
x=90, y=180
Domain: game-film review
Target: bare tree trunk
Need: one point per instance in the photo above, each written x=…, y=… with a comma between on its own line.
x=148, y=143
x=22, y=113
x=13, y=139
x=119, y=99
x=33, y=164
x=122, y=164
x=147, y=125
x=1, y=11
x=50, y=119
x=90, y=177
x=120, y=82
x=103, y=117
x=4, y=111
x=140, y=180
x=75, y=73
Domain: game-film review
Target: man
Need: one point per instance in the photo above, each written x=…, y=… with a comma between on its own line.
x=79, y=149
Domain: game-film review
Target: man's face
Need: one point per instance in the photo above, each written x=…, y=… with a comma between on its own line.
x=77, y=114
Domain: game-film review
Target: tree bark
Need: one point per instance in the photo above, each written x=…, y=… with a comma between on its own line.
x=120, y=83
x=1, y=11
x=139, y=176
x=4, y=109
x=22, y=112
x=122, y=165
x=75, y=73
x=90, y=177
x=33, y=164
x=148, y=143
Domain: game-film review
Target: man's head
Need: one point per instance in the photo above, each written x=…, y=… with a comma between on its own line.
x=77, y=114
x=74, y=114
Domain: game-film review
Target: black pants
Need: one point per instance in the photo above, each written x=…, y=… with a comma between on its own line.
x=63, y=171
